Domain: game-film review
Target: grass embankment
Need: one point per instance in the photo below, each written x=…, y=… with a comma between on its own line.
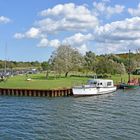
x=40, y=82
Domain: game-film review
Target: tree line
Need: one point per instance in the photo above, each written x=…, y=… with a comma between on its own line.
x=66, y=59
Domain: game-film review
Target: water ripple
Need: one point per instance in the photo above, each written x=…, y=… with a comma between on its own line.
x=113, y=116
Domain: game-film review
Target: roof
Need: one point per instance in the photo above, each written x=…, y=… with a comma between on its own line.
x=100, y=80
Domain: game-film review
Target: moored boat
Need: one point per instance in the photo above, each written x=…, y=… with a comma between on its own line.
x=94, y=87
x=132, y=84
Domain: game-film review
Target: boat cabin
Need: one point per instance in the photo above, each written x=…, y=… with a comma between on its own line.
x=101, y=83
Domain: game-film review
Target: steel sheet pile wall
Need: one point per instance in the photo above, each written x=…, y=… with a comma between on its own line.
x=35, y=92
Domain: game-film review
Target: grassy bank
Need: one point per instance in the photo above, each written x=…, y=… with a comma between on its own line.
x=40, y=82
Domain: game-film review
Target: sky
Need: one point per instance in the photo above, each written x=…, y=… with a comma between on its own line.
x=30, y=30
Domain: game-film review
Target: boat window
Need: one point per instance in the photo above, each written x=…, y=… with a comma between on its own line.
x=109, y=83
x=92, y=82
x=100, y=83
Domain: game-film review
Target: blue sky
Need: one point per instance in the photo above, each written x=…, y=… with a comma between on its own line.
x=33, y=29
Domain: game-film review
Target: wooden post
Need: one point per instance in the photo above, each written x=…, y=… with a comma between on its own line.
x=38, y=93
x=43, y=93
x=25, y=93
x=30, y=93
x=21, y=93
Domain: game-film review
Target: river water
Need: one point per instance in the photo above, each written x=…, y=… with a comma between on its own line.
x=114, y=116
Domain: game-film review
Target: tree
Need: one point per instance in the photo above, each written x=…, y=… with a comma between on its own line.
x=108, y=65
x=35, y=64
x=66, y=59
x=90, y=61
x=46, y=67
x=120, y=68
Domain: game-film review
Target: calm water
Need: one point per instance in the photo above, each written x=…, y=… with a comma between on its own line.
x=111, y=117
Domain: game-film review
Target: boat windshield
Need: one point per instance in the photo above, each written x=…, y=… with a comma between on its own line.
x=92, y=82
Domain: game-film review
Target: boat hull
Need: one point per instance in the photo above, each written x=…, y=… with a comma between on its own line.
x=90, y=91
x=127, y=86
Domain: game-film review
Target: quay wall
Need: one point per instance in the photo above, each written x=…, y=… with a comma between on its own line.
x=35, y=92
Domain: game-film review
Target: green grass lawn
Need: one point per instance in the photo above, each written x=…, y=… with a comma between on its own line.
x=40, y=82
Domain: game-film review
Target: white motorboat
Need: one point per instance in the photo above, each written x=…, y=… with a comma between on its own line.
x=94, y=87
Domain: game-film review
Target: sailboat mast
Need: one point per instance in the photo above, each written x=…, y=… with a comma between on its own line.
x=129, y=68
x=5, y=63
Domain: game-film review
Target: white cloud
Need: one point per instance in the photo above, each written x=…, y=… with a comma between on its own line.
x=43, y=43
x=127, y=29
x=32, y=33
x=134, y=12
x=137, y=42
x=71, y=12
x=78, y=39
x=56, y=10
x=110, y=47
x=63, y=17
x=83, y=49
x=54, y=43
x=4, y=19
x=102, y=8
x=83, y=25
x=119, y=35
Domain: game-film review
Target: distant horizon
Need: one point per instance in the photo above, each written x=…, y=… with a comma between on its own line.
x=34, y=29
